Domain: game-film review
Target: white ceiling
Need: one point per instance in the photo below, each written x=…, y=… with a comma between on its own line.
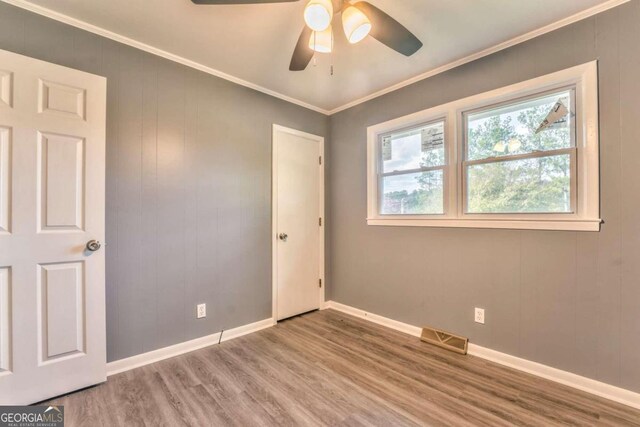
x=255, y=42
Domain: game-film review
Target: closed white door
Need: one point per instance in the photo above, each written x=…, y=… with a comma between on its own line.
x=298, y=228
x=52, y=178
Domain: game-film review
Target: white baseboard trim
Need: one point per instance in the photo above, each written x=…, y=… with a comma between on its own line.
x=247, y=329
x=380, y=320
x=607, y=391
x=139, y=360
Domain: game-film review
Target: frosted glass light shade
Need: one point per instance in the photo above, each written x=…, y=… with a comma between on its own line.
x=318, y=14
x=356, y=24
x=322, y=41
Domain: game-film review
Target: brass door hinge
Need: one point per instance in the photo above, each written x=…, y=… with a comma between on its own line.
x=320, y=222
x=320, y=160
x=320, y=283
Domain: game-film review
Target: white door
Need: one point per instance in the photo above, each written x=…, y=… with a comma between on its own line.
x=298, y=203
x=52, y=178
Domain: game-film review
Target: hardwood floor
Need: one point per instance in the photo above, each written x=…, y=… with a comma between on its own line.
x=328, y=368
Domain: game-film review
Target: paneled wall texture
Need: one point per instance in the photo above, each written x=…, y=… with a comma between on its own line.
x=188, y=186
x=570, y=300
x=188, y=206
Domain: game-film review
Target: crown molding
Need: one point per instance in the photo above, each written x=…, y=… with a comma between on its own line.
x=23, y=4
x=610, y=4
x=196, y=65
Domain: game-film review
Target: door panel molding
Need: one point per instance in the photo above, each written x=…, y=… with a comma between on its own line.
x=6, y=88
x=61, y=310
x=5, y=180
x=5, y=321
x=63, y=100
x=61, y=176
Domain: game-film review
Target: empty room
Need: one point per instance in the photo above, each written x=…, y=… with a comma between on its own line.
x=319, y=212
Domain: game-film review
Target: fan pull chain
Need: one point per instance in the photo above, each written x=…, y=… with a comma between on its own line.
x=315, y=58
x=331, y=53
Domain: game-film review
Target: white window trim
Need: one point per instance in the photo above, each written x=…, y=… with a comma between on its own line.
x=587, y=215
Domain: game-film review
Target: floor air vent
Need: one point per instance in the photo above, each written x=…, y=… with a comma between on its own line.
x=445, y=340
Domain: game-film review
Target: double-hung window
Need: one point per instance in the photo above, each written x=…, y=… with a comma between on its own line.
x=524, y=156
x=411, y=167
x=519, y=162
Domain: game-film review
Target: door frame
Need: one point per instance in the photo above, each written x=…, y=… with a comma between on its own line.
x=274, y=215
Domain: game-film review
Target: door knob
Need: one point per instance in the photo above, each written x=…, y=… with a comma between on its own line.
x=283, y=237
x=93, y=245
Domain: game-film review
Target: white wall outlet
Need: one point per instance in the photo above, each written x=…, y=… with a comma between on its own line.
x=201, y=311
x=479, y=317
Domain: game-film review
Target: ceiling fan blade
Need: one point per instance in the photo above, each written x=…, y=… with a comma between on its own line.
x=387, y=30
x=302, y=54
x=214, y=2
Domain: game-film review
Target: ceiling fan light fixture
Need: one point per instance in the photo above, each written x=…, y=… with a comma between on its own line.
x=318, y=14
x=356, y=24
x=322, y=41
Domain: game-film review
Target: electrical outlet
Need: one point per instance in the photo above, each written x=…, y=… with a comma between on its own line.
x=201, y=311
x=479, y=318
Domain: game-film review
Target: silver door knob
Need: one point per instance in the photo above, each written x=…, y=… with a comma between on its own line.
x=93, y=245
x=283, y=237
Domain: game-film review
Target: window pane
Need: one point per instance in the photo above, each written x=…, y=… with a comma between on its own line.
x=531, y=185
x=535, y=124
x=422, y=147
x=413, y=193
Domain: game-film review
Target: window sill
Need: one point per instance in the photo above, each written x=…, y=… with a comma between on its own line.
x=513, y=224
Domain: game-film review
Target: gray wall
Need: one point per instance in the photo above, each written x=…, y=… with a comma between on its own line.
x=188, y=186
x=566, y=299
x=188, y=206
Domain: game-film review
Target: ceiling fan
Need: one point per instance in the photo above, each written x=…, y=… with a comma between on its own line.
x=359, y=19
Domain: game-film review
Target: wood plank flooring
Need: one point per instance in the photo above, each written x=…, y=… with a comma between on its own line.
x=328, y=368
